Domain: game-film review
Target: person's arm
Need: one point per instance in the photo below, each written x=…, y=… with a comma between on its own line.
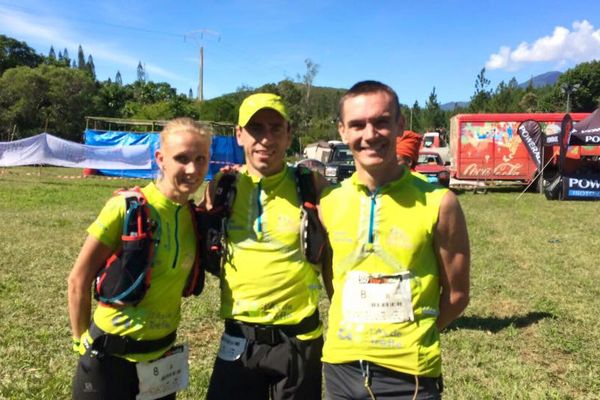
x=92, y=256
x=327, y=270
x=326, y=266
x=451, y=243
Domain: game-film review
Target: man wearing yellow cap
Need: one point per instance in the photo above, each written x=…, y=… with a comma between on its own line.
x=400, y=262
x=271, y=346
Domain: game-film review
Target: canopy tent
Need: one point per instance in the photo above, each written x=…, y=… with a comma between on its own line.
x=583, y=183
x=587, y=132
x=224, y=151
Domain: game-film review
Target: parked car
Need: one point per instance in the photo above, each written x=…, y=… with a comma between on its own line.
x=430, y=164
x=340, y=164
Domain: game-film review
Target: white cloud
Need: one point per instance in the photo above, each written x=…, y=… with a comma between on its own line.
x=564, y=45
x=55, y=32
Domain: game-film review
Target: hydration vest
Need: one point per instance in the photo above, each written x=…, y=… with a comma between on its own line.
x=213, y=223
x=126, y=276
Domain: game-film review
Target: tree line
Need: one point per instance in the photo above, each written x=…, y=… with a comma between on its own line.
x=55, y=93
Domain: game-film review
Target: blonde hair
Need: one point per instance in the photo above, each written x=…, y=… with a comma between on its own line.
x=189, y=125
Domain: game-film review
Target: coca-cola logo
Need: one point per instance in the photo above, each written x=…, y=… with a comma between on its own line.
x=502, y=169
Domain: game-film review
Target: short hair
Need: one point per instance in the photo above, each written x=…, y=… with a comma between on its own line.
x=186, y=124
x=368, y=87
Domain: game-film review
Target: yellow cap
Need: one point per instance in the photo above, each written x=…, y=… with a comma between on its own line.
x=256, y=102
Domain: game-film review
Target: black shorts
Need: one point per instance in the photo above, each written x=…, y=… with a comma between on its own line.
x=105, y=378
x=287, y=370
x=347, y=381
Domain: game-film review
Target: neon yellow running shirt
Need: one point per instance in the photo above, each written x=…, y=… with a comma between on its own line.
x=386, y=279
x=158, y=314
x=266, y=279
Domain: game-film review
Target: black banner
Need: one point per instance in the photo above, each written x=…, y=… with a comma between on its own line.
x=563, y=140
x=531, y=135
x=587, y=132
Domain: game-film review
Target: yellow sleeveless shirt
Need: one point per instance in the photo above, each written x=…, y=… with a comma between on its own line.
x=266, y=279
x=386, y=277
x=159, y=313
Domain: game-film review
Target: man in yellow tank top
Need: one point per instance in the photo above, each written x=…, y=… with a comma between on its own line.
x=271, y=347
x=400, y=262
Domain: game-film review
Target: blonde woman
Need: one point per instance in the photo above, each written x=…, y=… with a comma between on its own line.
x=120, y=343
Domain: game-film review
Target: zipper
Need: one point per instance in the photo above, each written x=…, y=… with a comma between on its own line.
x=259, y=208
x=176, y=236
x=372, y=216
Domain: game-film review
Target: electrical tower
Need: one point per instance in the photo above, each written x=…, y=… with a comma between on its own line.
x=197, y=36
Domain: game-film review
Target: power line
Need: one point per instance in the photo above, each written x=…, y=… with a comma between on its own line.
x=33, y=13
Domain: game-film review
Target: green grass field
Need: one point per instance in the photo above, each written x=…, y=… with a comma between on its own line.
x=530, y=332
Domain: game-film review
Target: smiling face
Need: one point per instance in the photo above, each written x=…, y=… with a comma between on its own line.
x=183, y=160
x=265, y=139
x=370, y=126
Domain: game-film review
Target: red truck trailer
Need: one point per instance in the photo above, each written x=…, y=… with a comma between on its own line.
x=487, y=147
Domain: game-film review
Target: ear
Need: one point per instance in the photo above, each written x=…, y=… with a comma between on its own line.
x=158, y=155
x=342, y=132
x=238, y=135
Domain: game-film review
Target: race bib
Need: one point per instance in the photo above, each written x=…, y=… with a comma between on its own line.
x=164, y=376
x=231, y=347
x=377, y=297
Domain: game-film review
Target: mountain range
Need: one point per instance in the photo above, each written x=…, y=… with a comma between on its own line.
x=547, y=78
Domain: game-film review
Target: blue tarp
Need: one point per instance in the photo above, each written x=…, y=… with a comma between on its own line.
x=224, y=150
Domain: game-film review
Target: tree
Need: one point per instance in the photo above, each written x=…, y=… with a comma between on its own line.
x=529, y=102
x=433, y=117
x=141, y=73
x=51, y=54
x=80, y=58
x=309, y=76
x=506, y=97
x=585, y=79
x=32, y=99
x=14, y=53
x=90, y=67
x=414, y=123
x=118, y=79
x=66, y=59
x=481, y=98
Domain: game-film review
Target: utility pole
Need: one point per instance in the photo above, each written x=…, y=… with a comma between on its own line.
x=201, y=76
x=569, y=88
x=197, y=36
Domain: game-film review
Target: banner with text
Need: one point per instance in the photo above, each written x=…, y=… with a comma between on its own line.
x=51, y=150
x=531, y=136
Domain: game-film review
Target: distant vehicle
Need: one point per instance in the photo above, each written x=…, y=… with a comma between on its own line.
x=340, y=163
x=434, y=142
x=488, y=148
x=431, y=165
x=317, y=151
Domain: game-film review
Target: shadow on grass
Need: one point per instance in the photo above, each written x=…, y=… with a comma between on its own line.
x=495, y=324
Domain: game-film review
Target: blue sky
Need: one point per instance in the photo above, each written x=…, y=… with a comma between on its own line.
x=412, y=46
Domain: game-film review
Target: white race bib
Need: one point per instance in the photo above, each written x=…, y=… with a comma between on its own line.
x=231, y=347
x=164, y=376
x=377, y=297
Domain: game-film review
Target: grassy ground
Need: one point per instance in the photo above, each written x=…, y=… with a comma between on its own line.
x=531, y=331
